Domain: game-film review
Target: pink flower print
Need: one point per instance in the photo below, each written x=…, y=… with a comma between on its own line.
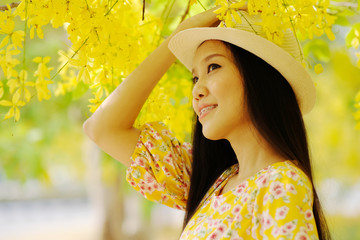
x=177, y=206
x=149, y=145
x=213, y=236
x=157, y=166
x=166, y=133
x=148, y=178
x=178, y=147
x=169, y=158
x=275, y=231
x=188, y=148
x=139, y=144
x=288, y=228
x=224, y=207
x=277, y=189
x=238, y=191
x=164, y=198
x=245, y=198
x=290, y=188
x=156, y=186
x=262, y=181
x=132, y=183
x=215, y=204
x=140, y=161
x=309, y=226
x=302, y=236
x=308, y=214
x=266, y=197
x=266, y=221
x=238, y=218
x=157, y=136
x=149, y=189
x=281, y=212
x=152, y=131
x=167, y=172
x=221, y=228
x=214, y=223
x=211, y=223
x=142, y=185
x=250, y=207
x=292, y=174
x=156, y=157
x=236, y=210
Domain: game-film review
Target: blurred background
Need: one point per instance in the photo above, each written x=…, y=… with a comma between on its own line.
x=56, y=184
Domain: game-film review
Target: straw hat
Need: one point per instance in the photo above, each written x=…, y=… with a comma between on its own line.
x=249, y=35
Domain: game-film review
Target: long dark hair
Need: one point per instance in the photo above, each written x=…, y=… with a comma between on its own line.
x=275, y=113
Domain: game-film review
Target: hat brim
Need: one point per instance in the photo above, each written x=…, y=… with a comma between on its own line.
x=185, y=43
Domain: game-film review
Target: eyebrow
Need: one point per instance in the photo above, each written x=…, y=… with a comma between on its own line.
x=208, y=58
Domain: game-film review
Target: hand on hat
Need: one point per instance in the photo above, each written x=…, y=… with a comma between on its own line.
x=204, y=19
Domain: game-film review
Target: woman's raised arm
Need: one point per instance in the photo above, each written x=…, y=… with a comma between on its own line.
x=111, y=126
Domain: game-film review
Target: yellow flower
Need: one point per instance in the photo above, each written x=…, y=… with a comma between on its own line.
x=23, y=90
x=82, y=63
x=59, y=13
x=41, y=73
x=14, y=110
x=227, y=12
x=192, y=2
x=96, y=102
x=7, y=62
x=318, y=68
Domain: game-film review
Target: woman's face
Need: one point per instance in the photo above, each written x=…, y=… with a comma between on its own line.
x=218, y=93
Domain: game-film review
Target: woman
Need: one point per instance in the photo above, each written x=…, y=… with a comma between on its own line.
x=247, y=174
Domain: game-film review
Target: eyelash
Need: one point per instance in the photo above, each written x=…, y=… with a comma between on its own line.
x=195, y=79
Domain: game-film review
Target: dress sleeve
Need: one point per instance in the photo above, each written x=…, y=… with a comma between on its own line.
x=161, y=166
x=283, y=207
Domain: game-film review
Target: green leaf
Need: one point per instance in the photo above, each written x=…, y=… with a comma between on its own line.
x=342, y=21
x=319, y=49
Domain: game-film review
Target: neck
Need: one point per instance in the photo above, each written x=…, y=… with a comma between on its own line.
x=252, y=151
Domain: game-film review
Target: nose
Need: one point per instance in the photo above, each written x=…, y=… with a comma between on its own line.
x=199, y=90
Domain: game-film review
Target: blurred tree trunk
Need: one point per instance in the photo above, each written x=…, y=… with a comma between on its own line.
x=106, y=199
x=114, y=211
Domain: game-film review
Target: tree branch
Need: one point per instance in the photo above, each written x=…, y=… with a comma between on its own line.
x=186, y=12
x=12, y=5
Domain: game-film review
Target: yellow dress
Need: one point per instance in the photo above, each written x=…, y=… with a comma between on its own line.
x=275, y=203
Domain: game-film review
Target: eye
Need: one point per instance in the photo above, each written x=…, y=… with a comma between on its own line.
x=212, y=67
x=195, y=79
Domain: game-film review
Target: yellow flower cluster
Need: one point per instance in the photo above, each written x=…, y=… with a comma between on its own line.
x=309, y=17
x=107, y=43
x=306, y=18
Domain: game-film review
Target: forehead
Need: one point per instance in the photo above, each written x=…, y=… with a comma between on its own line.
x=210, y=47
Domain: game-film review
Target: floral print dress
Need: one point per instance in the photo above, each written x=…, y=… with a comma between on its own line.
x=275, y=203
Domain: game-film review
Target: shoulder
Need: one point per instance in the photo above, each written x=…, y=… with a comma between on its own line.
x=286, y=171
x=283, y=203
x=282, y=180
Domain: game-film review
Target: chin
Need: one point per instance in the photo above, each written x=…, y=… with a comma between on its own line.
x=211, y=135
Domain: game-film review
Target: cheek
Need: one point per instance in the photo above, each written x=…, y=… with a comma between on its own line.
x=194, y=104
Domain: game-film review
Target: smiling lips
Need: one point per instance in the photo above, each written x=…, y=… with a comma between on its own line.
x=205, y=110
